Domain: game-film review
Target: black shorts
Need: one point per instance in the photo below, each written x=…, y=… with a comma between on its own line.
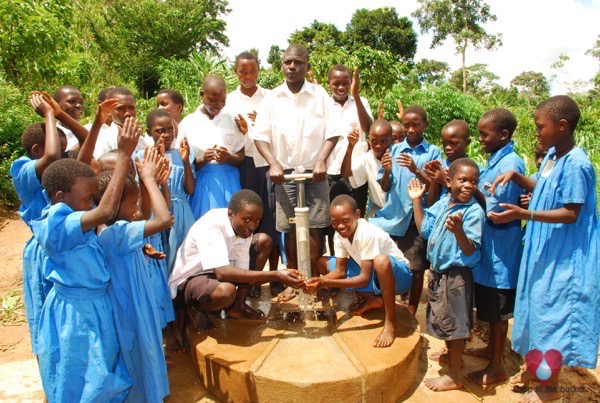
x=197, y=289
x=414, y=248
x=494, y=304
x=450, y=304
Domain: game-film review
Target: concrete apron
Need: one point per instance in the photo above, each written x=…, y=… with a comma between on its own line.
x=328, y=357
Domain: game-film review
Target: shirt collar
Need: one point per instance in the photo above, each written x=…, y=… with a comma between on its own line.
x=306, y=87
x=423, y=144
x=501, y=153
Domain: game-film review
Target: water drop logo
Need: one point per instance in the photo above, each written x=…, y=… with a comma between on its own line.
x=543, y=365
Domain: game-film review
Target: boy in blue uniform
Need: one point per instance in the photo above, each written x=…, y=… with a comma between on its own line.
x=396, y=217
x=495, y=276
x=453, y=227
x=557, y=299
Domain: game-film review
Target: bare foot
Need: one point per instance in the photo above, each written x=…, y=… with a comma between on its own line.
x=412, y=309
x=547, y=394
x=201, y=321
x=487, y=376
x=367, y=303
x=481, y=352
x=521, y=378
x=444, y=382
x=288, y=295
x=171, y=342
x=386, y=337
x=246, y=311
x=327, y=293
x=440, y=356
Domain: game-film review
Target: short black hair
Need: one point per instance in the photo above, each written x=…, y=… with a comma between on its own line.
x=465, y=162
x=461, y=125
x=299, y=49
x=244, y=197
x=36, y=134
x=502, y=119
x=383, y=124
x=114, y=92
x=103, y=94
x=561, y=107
x=61, y=175
x=344, y=199
x=247, y=56
x=338, y=67
x=417, y=109
x=212, y=80
x=58, y=93
x=155, y=114
x=174, y=95
x=103, y=181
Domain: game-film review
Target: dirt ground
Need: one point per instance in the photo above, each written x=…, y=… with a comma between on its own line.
x=20, y=381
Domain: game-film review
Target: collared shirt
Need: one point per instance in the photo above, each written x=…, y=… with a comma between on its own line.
x=348, y=119
x=296, y=126
x=397, y=213
x=204, y=133
x=368, y=242
x=502, y=245
x=365, y=168
x=108, y=141
x=239, y=103
x=71, y=139
x=210, y=243
x=442, y=248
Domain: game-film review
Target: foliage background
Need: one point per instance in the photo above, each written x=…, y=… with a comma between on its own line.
x=148, y=45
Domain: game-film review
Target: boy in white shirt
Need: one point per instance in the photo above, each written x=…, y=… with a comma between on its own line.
x=366, y=260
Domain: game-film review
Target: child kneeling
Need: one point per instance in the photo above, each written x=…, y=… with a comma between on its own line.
x=367, y=260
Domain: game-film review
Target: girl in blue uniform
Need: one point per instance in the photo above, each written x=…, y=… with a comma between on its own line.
x=79, y=355
x=557, y=303
x=135, y=310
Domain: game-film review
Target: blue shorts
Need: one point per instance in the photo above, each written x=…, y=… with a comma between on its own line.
x=402, y=275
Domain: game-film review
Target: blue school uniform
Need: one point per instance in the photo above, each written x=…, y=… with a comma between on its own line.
x=442, y=248
x=33, y=200
x=157, y=270
x=180, y=207
x=215, y=184
x=397, y=214
x=502, y=245
x=135, y=311
x=558, y=301
x=79, y=352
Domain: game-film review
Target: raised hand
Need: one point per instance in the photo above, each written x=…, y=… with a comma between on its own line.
x=151, y=166
x=355, y=87
x=184, y=149
x=400, y=113
x=40, y=106
x=416, y=189
x=312, y=78
x=104, y=109
x=386, y=161
x=454, y=223
x=435, y=171
x=162, y=176
x=405, y=160
x=380, y=111
x=129, y=136
x=53, y=104
x=160, y=144
x=241, y=123
x=353, y=136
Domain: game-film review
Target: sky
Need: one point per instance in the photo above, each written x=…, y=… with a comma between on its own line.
x=534, y=33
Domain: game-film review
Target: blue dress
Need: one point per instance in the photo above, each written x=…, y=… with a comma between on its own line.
x=157, y=270
x=215, y=184
x=180, y=208
x=78, y=350
x=135, y=311
x=558, y=302
x=33, y=200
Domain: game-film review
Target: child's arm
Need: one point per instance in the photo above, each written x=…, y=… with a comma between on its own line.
x=437, y=175
x=565, y=215
x=189, y=184
x=163, y=183
x=209, y=155
x=454, y=224
x=52, y=149
x=386, y=163
x=232, y=274
x=161, y=219
x=78, y=130
x=363, y=116
x=346, y=169
x=406, y=160
x=86, y=153
x=416, y=192
x=524, y=181
x=109, y=204
x=337, y=278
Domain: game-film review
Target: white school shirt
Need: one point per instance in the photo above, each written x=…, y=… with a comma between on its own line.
x=71, y=139
x=210, y=243
x=368, y=242
x=364, y=170
x=238, y=103
x=348, y=115
x=108, y=141
x=296, y=126
x=203, y=133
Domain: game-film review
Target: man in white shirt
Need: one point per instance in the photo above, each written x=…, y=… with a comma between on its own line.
x=70, y=100
x=295, y=133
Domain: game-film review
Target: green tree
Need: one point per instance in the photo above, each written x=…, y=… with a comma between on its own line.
x=478, y=78
x=382, y=29
x=532, y=85
x=431, y=71
x=138, y=33
x=462, y=20
x=317, y=35
x=274, y=58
